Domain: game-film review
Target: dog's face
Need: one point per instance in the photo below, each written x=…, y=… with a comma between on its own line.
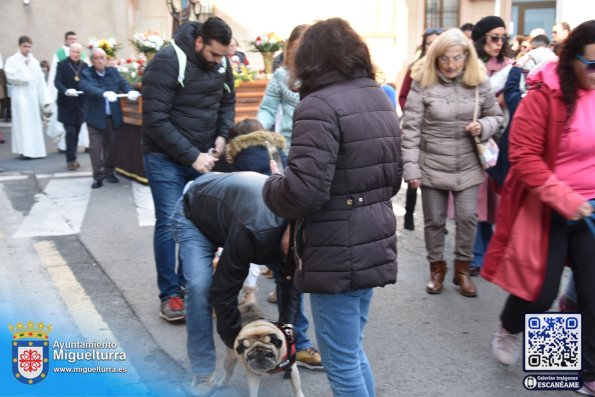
x=261, y=346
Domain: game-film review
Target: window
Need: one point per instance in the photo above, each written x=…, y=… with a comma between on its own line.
x=442, y=13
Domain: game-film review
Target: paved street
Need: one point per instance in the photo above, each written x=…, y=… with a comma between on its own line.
x=82, y=260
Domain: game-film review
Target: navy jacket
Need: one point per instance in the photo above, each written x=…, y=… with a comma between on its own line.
x=94, y=86
x=512, y=98
x=70, y=109
x=182, y=119
x=230, y=211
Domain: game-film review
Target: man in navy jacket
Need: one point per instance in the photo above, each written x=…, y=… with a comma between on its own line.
x=71, y=105
x=103, y=114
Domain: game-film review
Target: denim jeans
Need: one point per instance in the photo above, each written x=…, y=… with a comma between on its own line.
x=482, y=240
x=167, y=179
x=197, y=253
x=339, y=321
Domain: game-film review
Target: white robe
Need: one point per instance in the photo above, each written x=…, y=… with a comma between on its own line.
x=29, y=94
x=55, y=128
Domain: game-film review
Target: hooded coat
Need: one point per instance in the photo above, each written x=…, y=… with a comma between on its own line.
x=183, y=118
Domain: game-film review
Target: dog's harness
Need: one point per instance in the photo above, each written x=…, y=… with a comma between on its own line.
x=288, y=361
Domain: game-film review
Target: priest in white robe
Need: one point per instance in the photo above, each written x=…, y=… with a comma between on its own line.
x=29, y=99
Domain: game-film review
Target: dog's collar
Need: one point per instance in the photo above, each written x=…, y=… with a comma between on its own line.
x=287, y=363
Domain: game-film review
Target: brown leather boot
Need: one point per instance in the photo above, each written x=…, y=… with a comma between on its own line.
x=463, y=279
x=437, y=272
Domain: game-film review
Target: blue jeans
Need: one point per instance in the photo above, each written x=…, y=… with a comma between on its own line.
x=482, y=240
x=339, y=320
x=197, y=253
x=167, y=179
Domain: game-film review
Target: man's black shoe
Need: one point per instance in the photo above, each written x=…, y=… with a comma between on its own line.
x=112, y=179
x=97, y=183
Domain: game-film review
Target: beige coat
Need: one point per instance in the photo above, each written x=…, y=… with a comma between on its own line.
x=436, y=147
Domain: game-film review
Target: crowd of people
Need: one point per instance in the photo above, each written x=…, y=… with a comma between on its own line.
x=322, y=219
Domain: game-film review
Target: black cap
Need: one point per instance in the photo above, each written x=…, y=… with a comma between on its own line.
x=485, y=25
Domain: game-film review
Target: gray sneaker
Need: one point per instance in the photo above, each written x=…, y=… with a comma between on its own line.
x=203, y=386
x=172, y=309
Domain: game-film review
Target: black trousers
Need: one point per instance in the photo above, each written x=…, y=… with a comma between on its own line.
x=72, y=140
x=576, y=244
x=102, y=150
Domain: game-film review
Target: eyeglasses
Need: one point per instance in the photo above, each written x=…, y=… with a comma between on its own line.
x=495, y=38
x=432, y=31
x=455, y=59
x=589, y=64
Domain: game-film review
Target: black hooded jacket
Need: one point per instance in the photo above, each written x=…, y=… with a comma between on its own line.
x=183, y=118
x=228, y=208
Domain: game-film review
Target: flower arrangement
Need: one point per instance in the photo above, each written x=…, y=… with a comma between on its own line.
x=131, y=69
x=268, y=42
x=108, y=45
x=241, y=74
x=148, y=43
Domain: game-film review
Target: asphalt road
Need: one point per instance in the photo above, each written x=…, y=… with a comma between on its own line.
x=83, y=259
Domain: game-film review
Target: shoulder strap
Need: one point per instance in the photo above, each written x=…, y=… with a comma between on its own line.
x=182, y=59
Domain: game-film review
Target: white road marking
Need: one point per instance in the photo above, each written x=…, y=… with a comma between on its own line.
x=64, y=175
x=143, y=200
x=12, y=177
x=79, y=304
x=82, y=310
x=59, y=210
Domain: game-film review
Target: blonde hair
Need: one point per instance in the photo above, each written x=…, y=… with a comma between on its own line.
x=425, y=71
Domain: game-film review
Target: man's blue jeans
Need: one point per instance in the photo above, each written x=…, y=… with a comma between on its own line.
x=339, y=321
x=197, y=253
x=167, y=179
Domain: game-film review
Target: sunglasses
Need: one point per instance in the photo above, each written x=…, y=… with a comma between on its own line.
x=432, y=31
x=589, y=64
x=495, y=38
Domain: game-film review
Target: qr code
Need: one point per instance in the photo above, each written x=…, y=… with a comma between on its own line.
x=552, y=342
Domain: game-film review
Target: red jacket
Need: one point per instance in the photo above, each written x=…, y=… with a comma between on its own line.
x=517, y=255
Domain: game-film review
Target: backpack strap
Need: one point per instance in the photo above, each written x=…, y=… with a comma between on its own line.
x=182, y=60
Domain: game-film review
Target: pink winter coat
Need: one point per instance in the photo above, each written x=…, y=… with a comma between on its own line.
x=517, y=255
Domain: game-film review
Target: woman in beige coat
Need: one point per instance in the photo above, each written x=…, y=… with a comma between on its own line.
x=439, y=152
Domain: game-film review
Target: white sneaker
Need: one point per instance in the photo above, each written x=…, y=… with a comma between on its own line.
x=588, y=388
x=506, y=346
x=203, y=386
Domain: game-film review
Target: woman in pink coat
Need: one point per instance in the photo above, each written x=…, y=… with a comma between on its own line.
x=551, y=180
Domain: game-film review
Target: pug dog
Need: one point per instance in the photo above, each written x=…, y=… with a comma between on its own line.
x=262, y=347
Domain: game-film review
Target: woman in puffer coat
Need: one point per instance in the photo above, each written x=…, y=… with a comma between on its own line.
x=439, y=152
x=344, y=167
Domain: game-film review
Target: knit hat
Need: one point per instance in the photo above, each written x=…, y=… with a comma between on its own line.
x=485, y=25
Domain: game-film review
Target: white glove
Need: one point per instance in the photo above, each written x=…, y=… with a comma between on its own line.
x=71, y=92
x=110, y=96
x=133, y=95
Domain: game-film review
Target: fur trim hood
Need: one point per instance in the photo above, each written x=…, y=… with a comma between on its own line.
x=256, y=138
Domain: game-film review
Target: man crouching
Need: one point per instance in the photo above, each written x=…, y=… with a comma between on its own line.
x=221, y=210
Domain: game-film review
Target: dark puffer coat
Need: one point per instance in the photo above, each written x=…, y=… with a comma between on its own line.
x=184, y=120
x=343, y=168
